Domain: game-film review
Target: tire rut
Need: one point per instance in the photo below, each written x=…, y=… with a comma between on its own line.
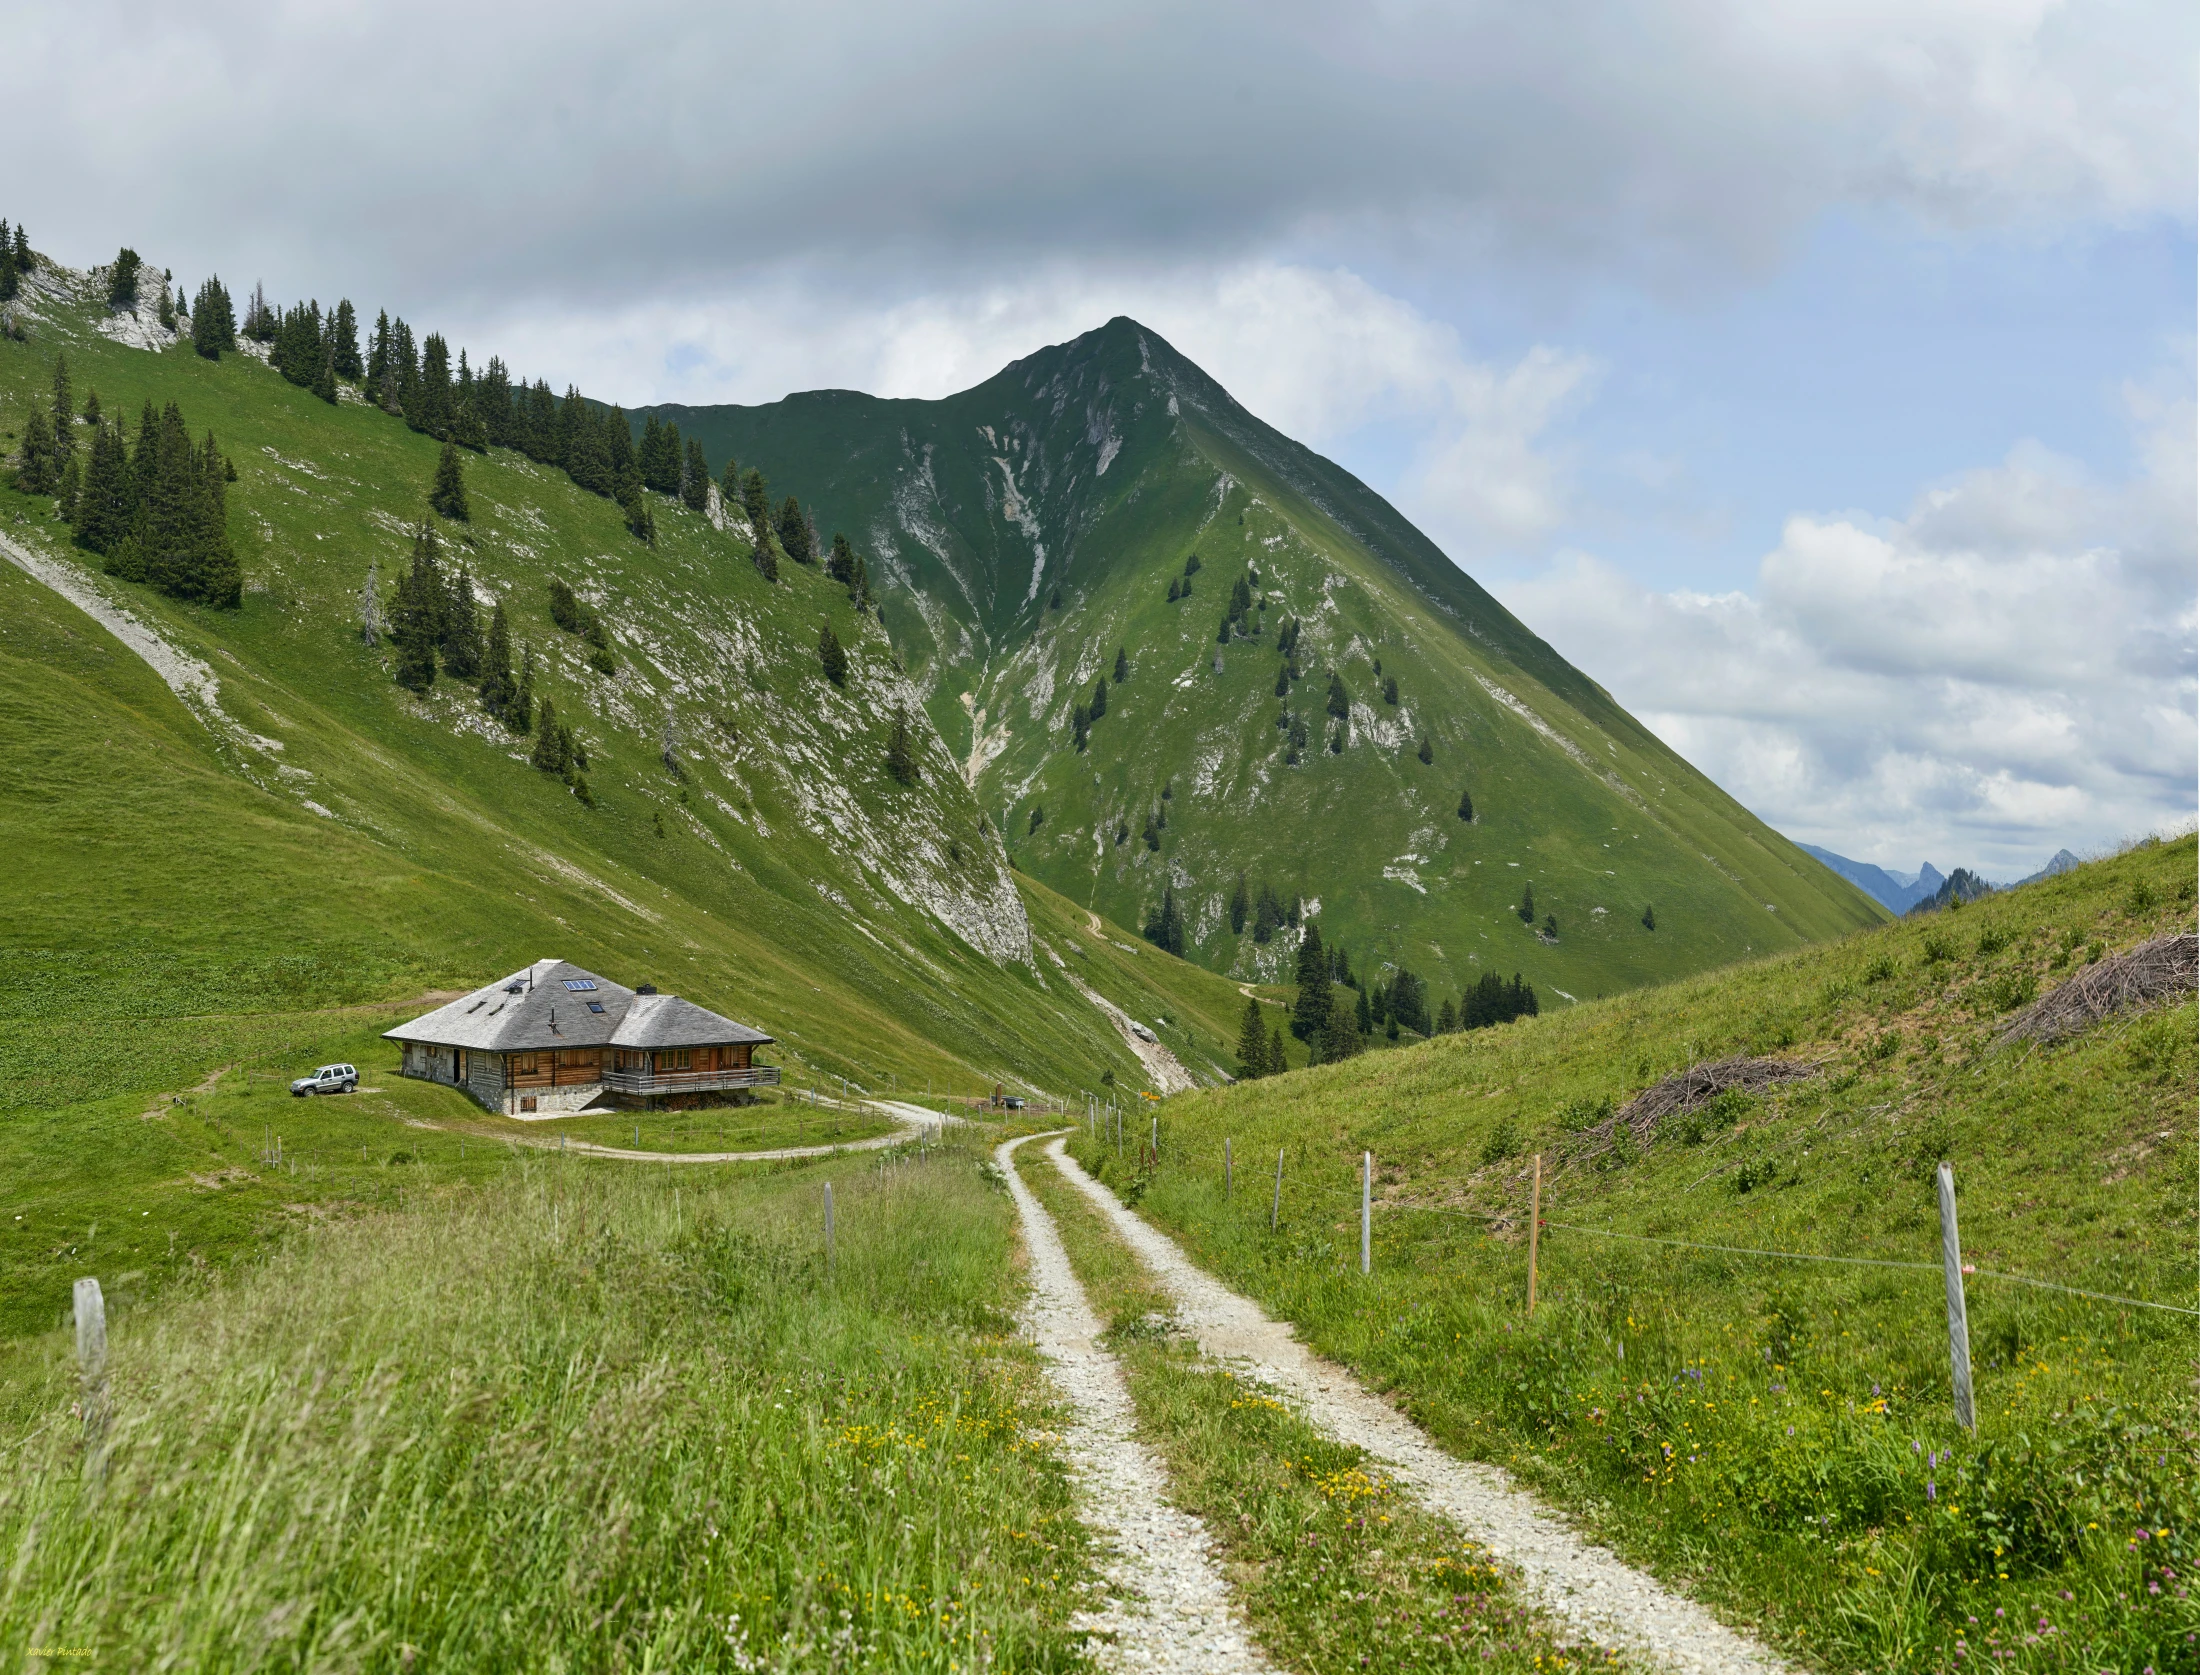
x=1578, y=1581
x=1168, y=1606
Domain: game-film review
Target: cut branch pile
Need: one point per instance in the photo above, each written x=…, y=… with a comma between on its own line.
x=1694, y=1086
x=2166, y=968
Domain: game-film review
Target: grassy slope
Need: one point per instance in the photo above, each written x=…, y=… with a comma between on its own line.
x=1373, y=833
x=178, y=907
x=578, y=1416
x=1765, y=1428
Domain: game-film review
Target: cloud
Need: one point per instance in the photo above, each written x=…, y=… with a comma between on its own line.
x=450, y=154
x=2007, y=669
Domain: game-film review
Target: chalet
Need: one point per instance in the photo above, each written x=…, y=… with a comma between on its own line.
x=554, y=1038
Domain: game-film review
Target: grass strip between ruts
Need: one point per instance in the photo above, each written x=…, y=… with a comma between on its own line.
x=1335, y=1567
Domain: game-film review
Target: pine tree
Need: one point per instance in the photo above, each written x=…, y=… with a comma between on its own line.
x=1277, y=1062
x=1191, y=568
x=122, y=282
x=39, y=473
x=10, y=277
x=1340, y=702
x=417, y=622
x=831, y=657
x=659, y=457
x=1340, y=1036
x=1099, y=704
x=1649, y=920
x=553, y=752
x=64, y=413
x=1252, y=1044
x=1447, y=1017
x=1466, y=806
x=695, y=478
x=794, y=532
x=498, y=689
x=324, y=382
x=1363, y=1012
x=1054, y=598
x=1122, y=665
x=1080, y=728
x=461, y=640
x=167, y=315
x=1240, y=903
x=1173, y=595
x=1165, y=925
x=447, y=495
x=729, y=487
x=1310, y=1012
x=1283, y=680
x=1526, y=909
x=343, y=341
x=901, y=756
x=220, y=577
x=72, y=481
x=1550, y=927
x=1427, y=752
x=107, y=507
x=371, y=623
x=430, y=409
x=213, y=321
x=523, y=703
x=1038, y=817
x=1390, y=690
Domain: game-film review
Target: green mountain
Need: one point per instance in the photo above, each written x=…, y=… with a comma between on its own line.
x=1025, y=531
x=227, y=825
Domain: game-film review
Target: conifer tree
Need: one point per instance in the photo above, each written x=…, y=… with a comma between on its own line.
x=1526, y=909
x=618, y=443
x=64, y=412
x=1038, y=817
x=840, y=561
x=1252, y=1043
x=641, y=519
x=499, y=412
x=324, y=383
x=499, y=691
x=430, y=409
x=695, y=478
x=1099, y=704
x=794, y=532
x=213, y=321
x=378, y=354
x=1466, y=806
x=1277, y=1062
x=10, y=277
x=260, y=323
x=1340, y=702
x=1310, y=1012
x=901, y=755
x=553, y=752
x=1447, y=1017
x=1390, y=689
x=1240, y=904
x=107, y=505
x=1340, y=1036
x=167, y=314
x=72, y=481
x=461, y=640
x=1165, y=925
x=416, y=623
x=1122, y=665
x=1172, y=590
x=122, y=281
x=1649, y=919
x=1427, y=752
x=40, y=472
x=831, y=657
x=447, y=495
x=1080, y=728
x=370, y=606
x=659, y=457
x=523, y=703
x=343, y=341
x=729, y=487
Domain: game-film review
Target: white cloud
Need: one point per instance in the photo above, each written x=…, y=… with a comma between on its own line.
x=2007, y=669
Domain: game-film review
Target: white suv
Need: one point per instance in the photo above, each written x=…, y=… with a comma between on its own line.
x=330, y=1078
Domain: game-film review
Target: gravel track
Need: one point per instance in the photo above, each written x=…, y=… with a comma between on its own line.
x=1168, y=1607
x=1585, y=1585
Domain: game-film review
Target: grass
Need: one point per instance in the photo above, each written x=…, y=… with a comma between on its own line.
x=574, y=1416
x=1336, y=1570
x=1777, y=1434
x=764, y=1127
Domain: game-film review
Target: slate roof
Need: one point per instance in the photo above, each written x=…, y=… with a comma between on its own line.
x=538, y=1007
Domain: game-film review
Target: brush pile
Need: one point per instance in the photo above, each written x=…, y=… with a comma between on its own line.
x=2168, y=968
x=1698, y=1085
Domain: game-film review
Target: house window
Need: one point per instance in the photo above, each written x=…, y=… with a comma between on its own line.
x=580, y=985
x=674, y=1059
x=523, y=1064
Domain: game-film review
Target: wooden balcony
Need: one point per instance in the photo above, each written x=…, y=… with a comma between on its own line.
x=649, y=1082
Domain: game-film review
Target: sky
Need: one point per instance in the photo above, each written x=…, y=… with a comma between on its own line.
x=1819, y=377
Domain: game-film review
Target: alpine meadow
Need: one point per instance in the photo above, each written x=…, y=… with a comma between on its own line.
x=1257, y=1118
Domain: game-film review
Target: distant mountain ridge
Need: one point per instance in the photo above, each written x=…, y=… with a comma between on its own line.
x=1898, y=893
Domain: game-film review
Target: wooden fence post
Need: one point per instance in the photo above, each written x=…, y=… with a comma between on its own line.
x=91, y=1363
x=1367, y=1213
x=1959, y=1325
x=1275, y=1209
x=1157, y=1139
x=828, y=1227
x=1535, y=1225
x=1225, y=1168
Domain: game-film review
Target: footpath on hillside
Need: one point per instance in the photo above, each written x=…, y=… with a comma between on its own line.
x=1578, y=1581
x=1168, y=1606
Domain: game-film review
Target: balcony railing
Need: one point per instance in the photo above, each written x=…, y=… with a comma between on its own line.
x=689, y=1081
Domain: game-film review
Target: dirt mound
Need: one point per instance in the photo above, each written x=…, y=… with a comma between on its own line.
x=2166, y=968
